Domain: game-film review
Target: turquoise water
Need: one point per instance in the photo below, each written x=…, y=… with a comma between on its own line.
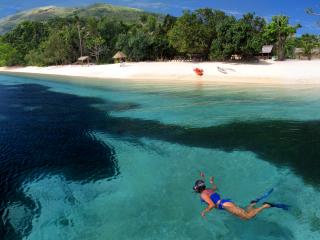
x=250, y=137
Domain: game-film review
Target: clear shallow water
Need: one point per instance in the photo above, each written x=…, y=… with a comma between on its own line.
x=115, y=161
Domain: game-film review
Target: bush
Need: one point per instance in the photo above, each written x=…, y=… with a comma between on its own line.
x=8, y=55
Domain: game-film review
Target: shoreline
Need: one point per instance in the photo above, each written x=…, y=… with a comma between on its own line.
x=291, y=72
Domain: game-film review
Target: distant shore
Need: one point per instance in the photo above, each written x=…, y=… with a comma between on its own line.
x=287, y=72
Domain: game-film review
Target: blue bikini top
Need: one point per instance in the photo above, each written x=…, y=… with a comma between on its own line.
x=215, y=197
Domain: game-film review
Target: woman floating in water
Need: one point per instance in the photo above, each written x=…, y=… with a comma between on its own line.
x=209, y=196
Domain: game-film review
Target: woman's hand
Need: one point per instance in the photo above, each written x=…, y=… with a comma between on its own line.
x=202, y=175
x=212, y=179
x=203, y=213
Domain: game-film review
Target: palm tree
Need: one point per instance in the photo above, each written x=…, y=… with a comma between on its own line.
x=312, y=12
x=78, y=23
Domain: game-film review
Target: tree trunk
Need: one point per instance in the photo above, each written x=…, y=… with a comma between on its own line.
x=80, y=41
x=97, y=57
x=281, y=50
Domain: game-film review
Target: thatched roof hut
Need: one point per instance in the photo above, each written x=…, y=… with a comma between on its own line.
x=298, y=51
x=82, y=59
x=315, y=51
x=267, y=49
x=119, y=55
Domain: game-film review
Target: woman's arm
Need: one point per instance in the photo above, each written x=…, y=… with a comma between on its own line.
x=208, y=200
x=214, y=186
x=202, y=176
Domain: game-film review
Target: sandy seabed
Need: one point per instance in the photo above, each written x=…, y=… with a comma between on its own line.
x=266, y=71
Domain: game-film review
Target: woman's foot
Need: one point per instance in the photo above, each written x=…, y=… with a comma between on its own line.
x=267, y=205
x=276, y=205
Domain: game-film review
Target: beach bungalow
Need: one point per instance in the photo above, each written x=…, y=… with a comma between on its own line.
x=235, y=57
x=266, y=51
x=83, y=59
x=298, y=53
x=120, y=57
x=315, y=53
x=196, y=57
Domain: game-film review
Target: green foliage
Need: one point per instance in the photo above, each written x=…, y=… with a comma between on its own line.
x=210, y=19
x=189, y=35
x=26, y=37
x=147, y=40
x=61, y=47
x=289, y=47
x=222, y=45
x=7, y=54
x=137, y=45
x=247, y=36
x=95, y=46
x=35, y=58
x=44, y=14
x=308, y=43
x=278, y=31
x=109, y=31
x=57, y=49
x=168, y=23
x=242, y=37
x=94, y=43
x=204, y=33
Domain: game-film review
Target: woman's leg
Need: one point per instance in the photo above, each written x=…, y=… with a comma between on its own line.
x=250, y=206
x=241, y=213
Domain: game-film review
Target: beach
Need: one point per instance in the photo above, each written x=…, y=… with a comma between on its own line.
x=266, y=71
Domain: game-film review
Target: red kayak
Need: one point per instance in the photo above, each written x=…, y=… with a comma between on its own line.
x=198, y=71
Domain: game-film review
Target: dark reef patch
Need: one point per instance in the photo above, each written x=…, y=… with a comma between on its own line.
x=43, y=133
x=293, y=144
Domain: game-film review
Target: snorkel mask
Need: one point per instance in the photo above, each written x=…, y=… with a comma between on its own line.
x=199, y=186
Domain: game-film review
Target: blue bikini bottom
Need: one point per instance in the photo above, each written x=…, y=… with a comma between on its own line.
x=215, y=197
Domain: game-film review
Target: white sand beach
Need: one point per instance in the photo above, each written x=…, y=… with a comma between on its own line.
x=273, y=72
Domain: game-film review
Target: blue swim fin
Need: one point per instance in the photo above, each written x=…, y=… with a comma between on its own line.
x=278, y=205
x=263, y=197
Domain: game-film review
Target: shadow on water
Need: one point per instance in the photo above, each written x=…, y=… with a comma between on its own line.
x=257, y=229
x=293, y=144
x=45, y=132
x=42, y=133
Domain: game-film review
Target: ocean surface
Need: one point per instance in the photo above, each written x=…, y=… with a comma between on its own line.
x=97, y=160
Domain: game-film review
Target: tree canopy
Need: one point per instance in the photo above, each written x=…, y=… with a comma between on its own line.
x=7, y=54
x=278, y=31
x=308, y=43
x=189, y=34
x=205, y=33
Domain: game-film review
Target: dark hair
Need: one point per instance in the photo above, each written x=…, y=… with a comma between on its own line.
x=199, y=186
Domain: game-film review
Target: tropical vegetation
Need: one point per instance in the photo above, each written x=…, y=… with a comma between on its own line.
x=204, y=34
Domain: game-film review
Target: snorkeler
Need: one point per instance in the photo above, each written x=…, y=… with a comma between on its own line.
x=213, y=200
